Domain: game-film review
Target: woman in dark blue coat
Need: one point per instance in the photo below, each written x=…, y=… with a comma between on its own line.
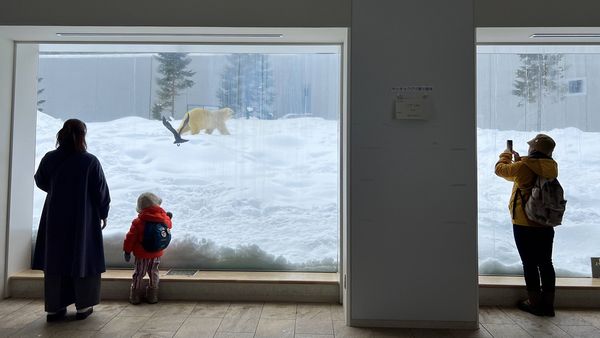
x=69, y=242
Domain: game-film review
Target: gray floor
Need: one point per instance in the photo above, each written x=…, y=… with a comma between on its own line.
x=26, y=318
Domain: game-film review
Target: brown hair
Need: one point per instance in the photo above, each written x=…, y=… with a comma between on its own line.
x=72, y=135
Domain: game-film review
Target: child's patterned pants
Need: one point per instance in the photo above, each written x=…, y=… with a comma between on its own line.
x=145, y=266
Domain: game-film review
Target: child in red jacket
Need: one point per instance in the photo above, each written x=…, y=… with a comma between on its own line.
x=149, y=210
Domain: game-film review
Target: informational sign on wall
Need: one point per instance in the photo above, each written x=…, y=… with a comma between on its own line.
x=413, y=102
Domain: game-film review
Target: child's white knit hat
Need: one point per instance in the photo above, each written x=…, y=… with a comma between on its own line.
x=147, y=200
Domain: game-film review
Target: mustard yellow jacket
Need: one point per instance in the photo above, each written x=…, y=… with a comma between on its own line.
x=523, y=173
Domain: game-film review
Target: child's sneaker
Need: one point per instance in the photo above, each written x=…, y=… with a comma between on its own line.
x=134, y=296
x=152, y=295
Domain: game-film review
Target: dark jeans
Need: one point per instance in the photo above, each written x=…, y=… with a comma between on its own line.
x=535, y=248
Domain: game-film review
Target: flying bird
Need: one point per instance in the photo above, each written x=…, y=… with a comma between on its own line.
x=178, y=139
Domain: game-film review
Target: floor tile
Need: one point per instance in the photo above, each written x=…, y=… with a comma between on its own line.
x=570, y=317
x=140, y=310
x=431, y=333
x=112, y=306
x=543, y=329
x=241, y=317
x=175, y=308
x=161, y=325
x=123, y=326
x=96, y=321
x=7, y=332
x=73, y=334
x=244, y=309
x=275, y=328
x=279, y=311
x=390, y=332
x=199, y=327
x=210, y=309
x=581, y=331
x=480, y=333
x=141, y=334
x=341, y=330
x=314, y=326
x=337, y=312
x=522, y=317
x=591, y=316
x=26, y=318
x=233, y=335
x=37, y=328
x=493, y=315
x=239, y=324
x=11, y=305
x=314, y=311
x=22, y=317
x=506, y=330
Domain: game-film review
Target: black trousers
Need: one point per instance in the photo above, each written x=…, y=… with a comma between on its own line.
x=535, y=248
x=62, y=291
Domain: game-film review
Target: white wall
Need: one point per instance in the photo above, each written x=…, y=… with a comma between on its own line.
x=274, y=13
x=537, y=13
x=181, y=13
x=6, y=71
x=413, y=207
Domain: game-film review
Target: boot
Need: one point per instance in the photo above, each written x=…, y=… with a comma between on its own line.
x=532, y=304
x=151, y=295
x=134, y=296
x=548, y=303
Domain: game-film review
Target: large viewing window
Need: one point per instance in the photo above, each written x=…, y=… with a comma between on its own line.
x=522, y=91
x=265, y=196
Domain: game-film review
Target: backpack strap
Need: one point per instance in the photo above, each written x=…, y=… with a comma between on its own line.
x=514, y=206
x=518, y=194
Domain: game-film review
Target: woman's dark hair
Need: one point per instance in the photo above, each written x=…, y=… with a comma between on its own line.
x=72, y=136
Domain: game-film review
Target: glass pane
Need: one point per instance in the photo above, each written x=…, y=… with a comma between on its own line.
x=254, y=190
x=522, y=91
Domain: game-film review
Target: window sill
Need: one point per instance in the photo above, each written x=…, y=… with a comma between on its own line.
x=214, y=277
x=206, y=286
x=519, y=281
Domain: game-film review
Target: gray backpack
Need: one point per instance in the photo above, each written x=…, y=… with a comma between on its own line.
x=546, y=205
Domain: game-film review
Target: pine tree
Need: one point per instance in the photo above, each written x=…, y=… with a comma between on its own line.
x=39, y=92
x=175, y=77
x=247, y=85
x=157, y=110
x=538, y=76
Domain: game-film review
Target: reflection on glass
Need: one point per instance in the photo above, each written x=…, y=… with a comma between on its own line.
x=264, y=197
x=523, y=90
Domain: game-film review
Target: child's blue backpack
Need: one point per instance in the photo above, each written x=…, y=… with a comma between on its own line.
x=157, y=236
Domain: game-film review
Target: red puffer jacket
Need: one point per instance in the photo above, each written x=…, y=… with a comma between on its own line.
x=133, y=239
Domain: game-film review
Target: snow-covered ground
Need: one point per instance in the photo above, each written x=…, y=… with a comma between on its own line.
x=266, y=197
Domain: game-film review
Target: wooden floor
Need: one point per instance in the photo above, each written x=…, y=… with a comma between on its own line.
x=26, y=318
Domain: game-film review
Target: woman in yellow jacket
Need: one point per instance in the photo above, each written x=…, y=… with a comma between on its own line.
x=534, y=241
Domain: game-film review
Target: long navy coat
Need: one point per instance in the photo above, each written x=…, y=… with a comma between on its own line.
x=69, y=240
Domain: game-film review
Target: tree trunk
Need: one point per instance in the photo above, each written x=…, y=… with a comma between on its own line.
x=173, y=100
x=540, y=92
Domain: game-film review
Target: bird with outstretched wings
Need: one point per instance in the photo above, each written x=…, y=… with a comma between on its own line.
x=178, y=139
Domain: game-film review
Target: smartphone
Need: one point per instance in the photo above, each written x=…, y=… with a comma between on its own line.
x=509, y=145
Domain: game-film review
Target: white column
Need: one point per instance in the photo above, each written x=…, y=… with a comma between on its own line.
x=413, y=183
x=22, y=159
x=6, y=80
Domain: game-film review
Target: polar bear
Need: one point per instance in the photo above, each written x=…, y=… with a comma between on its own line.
x=197, y=119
